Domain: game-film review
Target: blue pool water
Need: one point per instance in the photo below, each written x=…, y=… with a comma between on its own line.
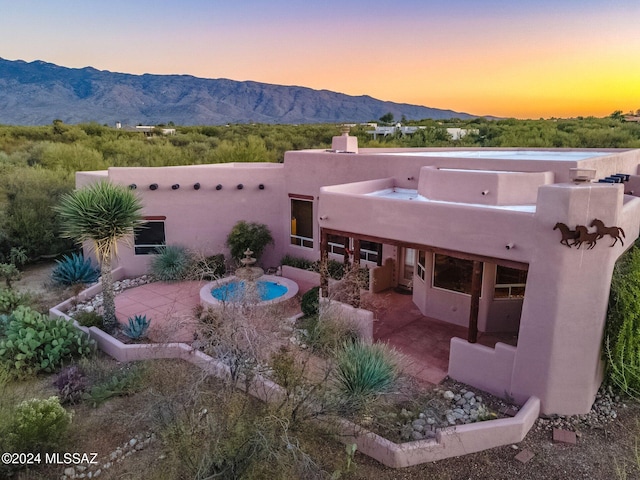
x=234, y=291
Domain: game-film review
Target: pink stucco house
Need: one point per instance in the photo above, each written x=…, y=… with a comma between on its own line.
x=470, y=233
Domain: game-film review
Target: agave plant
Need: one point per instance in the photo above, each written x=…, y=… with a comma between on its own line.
x=137, y=328
x=75, y=269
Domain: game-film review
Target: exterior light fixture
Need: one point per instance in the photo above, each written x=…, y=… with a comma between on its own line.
x=175, y=186
x=196, y=186
x=261, y=186
x=240, y=186
x=219, y=187
x=133, y=186
x=485, y=192
x=153, y=186
x=509, y=246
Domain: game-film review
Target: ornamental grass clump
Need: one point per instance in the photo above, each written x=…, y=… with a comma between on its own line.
x=172, y=263
x=364, y=372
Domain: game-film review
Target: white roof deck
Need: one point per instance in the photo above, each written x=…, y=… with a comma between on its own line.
x=561, y=156
x=408, y=194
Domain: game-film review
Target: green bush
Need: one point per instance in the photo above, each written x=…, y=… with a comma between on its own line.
x=248, y=235
x=297, y=262
x=172, y=263
x=310, y=303
x=39, y=425
x=34, y=343
x=121, y=383
x=10, y=300
x=323, y=334
x=622, y=332
x=364, y=372
x=89, y=319
x=75, y=269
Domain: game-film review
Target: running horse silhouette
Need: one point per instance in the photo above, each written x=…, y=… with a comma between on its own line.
x=613, y=232
x=585, y=236
x=567, y=234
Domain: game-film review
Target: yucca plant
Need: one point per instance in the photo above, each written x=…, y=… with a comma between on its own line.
x=102, y=214
x=75, y=269
x=364, y=372
x=172, y=263
x=137, y=327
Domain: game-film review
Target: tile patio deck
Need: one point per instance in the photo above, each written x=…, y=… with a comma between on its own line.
x=423, y=341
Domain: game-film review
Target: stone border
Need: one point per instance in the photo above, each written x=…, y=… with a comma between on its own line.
x=449, y=442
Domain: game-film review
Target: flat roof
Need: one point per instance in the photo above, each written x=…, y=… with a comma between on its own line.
x=408, y=194
x=571, y=156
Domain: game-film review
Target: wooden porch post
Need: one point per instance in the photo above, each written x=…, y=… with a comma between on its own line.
x=324, y=255
x=356, y=251
x=346, y=251
x=476, y=288
x=355, y=271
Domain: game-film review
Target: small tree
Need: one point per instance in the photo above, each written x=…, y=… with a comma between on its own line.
x=101, y=214
x=254, y=236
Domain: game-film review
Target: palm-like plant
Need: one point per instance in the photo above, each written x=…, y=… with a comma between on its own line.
x=101, y=214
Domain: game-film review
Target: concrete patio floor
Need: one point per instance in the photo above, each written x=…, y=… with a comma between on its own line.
x=424, y=342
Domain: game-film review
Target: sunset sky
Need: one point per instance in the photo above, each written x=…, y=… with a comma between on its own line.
x=525, y=59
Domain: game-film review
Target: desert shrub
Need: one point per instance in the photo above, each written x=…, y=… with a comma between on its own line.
x=248, y=235
x=89, y=319
x=172, y=263
x=622, y=332
x=34, y=343
x=237, y=437
x=73, y=269
x=364, y=372
x=310, y=302
x=126, y=381
x=39, y=425
x=297, y=262
x=28, y=219
x=71, y=384
x=137, y=327
x=325, y=332
x=211, y=267
x=10, y=300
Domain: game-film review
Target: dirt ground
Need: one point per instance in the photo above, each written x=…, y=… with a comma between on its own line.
x=607, y=452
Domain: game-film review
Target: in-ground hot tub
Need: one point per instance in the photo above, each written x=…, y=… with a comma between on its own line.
x=266, y=290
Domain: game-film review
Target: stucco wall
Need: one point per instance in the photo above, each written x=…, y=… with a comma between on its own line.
x=201, y=219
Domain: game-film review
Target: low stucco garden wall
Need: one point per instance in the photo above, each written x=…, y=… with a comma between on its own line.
x=449, y=442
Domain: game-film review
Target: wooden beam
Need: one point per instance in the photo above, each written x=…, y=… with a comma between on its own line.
x=476, y=289
x=444, y=251
x=356, y=252
x=346, y=251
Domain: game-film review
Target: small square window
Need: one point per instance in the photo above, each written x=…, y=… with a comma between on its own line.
x=149, y=238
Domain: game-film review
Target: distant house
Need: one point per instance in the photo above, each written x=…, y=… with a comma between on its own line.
x=494, y=242
x=148, y=130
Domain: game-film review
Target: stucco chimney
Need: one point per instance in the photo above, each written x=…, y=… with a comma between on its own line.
x=345, y=143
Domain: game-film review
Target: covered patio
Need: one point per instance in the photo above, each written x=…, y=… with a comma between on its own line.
x=423, y=341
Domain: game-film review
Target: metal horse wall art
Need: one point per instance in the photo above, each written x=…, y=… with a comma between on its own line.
x=581, y=234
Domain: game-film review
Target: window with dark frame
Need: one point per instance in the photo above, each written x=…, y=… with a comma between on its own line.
x=510, y=282
x=302, y=223
x=454, y=274
x=148, y=238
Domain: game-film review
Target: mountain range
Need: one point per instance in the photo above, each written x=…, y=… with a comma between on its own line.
x=36, y=93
